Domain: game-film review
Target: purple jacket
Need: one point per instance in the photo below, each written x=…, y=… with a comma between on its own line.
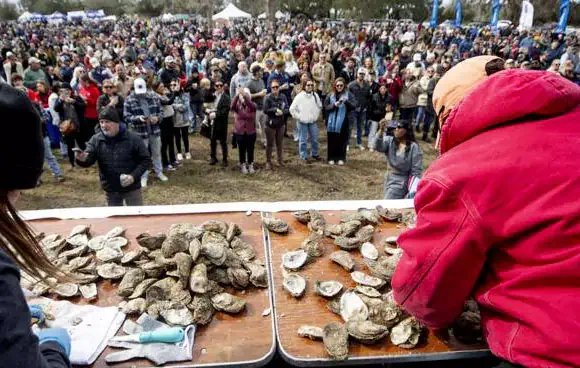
x=245, y=116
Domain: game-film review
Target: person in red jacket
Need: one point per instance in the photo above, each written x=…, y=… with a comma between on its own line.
x=498, y=214
x=90, y=93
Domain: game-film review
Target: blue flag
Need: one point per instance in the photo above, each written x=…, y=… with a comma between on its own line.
x=495, y=6
x=434, y=14
x=563, y=16
x=458, y=13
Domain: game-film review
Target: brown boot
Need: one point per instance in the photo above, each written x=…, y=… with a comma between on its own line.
x=269, y=166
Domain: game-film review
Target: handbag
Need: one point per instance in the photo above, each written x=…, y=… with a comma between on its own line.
x=67, y=127
x=205, y=129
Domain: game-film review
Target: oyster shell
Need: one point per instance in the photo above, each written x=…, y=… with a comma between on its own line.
x=141, y=288
x=228, y=303
x=76, y=263
x=98, y=242
x=115, y=232
x=365, y=233
x=40, y=289
x=109, y=254
x=51, y=238
x=183, y=262
x=132, y=278
x=151, y=242
x=467, y=328
x=180, y=294
x=369, y=291
x=352, y=307
x=409, y=219
x=213, y=247
x=343, y=259
x=347, y=217
x=91, y=269
x=369, y=251
x=276, y=225
x=384, y=267
x=66, y=290
x=406, y=334
x=333, y=304
x=173, y=244
x=335, y=338
x=363, y=279
x=392, y=240
x=294, y=260
x=242, y=249
x=233, y=231
x=83, y=279
x=177, y=316
x=328, y=289
x=384, y=312
x=133, y=255
x=56, y=246
x=116, y=242
x=232, y=260
x=219, y=275
x=317, y=221
x=194, y=249
x=166, y=285
x=216, y=226
x=350, y=228
x=258, y=274
x=189, y=230
x=389, y=215
x=302, y=216
x=135, y=306
x=295, y=285
x=79, y=230
x=213, y=288
x=239, y=277
x=366, y=332
x=202, y=309
x=78, y=240
x=311, y=332
x=110, y=271
x=75, y=252
x=89, y=291
x=154, y=308
x=312, y=245
x=333, y=230
x=153, y=269
x=198, y=280
x=347, y=243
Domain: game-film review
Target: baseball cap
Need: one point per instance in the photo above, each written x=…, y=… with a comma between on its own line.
x=140, y=86
x=33, y=60
x=169, y=60
x=362, y=71
x=417, y=57
x=9, y=53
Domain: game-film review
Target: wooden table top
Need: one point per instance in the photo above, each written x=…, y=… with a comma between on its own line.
x=247, y=338
x=291, y=313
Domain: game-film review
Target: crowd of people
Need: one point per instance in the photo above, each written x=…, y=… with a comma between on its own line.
x=128, y=94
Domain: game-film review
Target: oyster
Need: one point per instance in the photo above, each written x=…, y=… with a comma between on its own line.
x=48, y=239
x=151, y=242
x=389, y=215
x=409, y=219
x=198, y=280
x=132, y=278
x=213, y=288
x=317, y=221
x=406, y=334
x=152, y=269
x=295, y=285
x=76, y=263
x=116, y=242
x=189, y=230
x=213, y=247
x=177, y=316
x=371, y=217
x=89, y=291
x=202, y=309
x=166, y=285
x=78, y=240
x=467, y=328
x=183, y=262
x=365, y=233
x=392, y=240
x=352, y=308
x=133, y=255
x=232, y=260
x=216, y=226
x=312, y=245
x=328, y=289
x=258, y=274
x=369, y=251
x=371, y=292
x=194, y=249
x=384, y=267
x=347, y=243
x=347, y=217
x=335, y=338
x=350, y=228
x=79, y=230
x=91, y=269
x=55, y=246
x=40, y=289
x=333, y=304
x=242, y=249
x=115, y=232
x=109, y=254
x=239, y=277
x=154, y=308
x=110, y=271
x=302, y=216
x=98, y=242
x=233, y=231
x=294, y=260
x=83, y=279
x=75, y=252
x=173, y=244
x=385, y=312
x=366, y=332
x=276, y=225
x=228, y=303
x=333, y=230
x=311, y=332
x=66, y=290
x=135, y=306
x=141, y=288
x=366, y=280
x=219, y=275
x=343, y=259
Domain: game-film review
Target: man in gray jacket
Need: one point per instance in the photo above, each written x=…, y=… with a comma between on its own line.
x=361, y=90
x=240, y=79
x=257, y=92
x=122, y=158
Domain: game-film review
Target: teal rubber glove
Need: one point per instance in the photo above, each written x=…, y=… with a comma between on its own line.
x=58, y=335
x=36, y=312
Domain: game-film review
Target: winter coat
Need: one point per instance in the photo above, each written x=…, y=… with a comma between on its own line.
x=195, y=95
x=123, y=154
x=377, y=109
x=271, y=103
x=409, y=94
x=422, y=98
x=91, y=94
x=104, y=101
x=220, y=123
x=182, y=109
x=362, y=94
x=239, y=81
x=30, y=77
x=9, y=70
x=306, y=107
x=324, y=77
x=78, y=117
x=498, y=217
x=245, y=116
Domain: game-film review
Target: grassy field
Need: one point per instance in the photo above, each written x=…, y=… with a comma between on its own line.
x=197, y=182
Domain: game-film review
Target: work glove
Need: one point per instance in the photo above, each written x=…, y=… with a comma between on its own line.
x=126, y=180
x=58, y=335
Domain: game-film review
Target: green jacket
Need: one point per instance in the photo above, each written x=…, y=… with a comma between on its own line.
x=32, y=76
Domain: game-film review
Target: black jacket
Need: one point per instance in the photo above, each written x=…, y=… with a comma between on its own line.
x=362, y=94
x=79, y=106
x=20, y=346
x=167, y=75
x=271, y=103
x=195, y=95
x=220, y=123
x=104, y=100
x=123, y=154
x=377, y=109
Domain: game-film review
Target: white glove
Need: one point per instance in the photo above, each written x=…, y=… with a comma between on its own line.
x=126, y=180
x=212, y=115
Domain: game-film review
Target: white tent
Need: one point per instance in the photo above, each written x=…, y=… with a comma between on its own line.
x=56, y=17
x=24, y=17
x=95, y=14
x=167, y=17
x=231, y=12
x=76, y=15
x=262, y=16
x=278, y=15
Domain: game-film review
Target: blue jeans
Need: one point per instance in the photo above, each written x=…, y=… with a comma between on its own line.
x=306, y=130
x=427, y=122
x=420, y=116
x=50, y=159
x=360, y=117
x=197, y=113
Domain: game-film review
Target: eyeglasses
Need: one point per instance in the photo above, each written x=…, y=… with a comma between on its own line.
x=219, y=85
x=309, y=85
x=274, y=87
x=339, y=85
x=107, y=87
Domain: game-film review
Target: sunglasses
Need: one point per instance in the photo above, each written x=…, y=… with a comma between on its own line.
x=274, y=87
x=107, y=87
x=309, y=85
x=340, y=85
x=219, y=85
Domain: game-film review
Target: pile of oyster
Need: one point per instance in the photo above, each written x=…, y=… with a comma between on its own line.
x=180, y=276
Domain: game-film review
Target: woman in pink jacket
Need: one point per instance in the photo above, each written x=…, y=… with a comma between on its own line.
x=498, y=214
x=245, y=129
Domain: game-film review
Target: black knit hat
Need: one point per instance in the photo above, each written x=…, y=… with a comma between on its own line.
x=21, y=141
x=109, y=113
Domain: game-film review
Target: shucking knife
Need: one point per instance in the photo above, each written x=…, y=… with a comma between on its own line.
x=168, y=335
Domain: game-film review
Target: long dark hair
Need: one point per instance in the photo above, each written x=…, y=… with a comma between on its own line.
x=409, y=136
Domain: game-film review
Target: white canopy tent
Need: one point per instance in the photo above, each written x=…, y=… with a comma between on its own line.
x=278, y=15
x=167, y=17
x=231, y=12
x=95, y=14
x=24, y=17
x=56, y=17
x=76, y=15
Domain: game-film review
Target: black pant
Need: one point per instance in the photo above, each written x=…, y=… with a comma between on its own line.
x=70, y=141
x=337, y=143
x=132, y=198
x=88, y=129
x=167, y=141
x=407, y=113
x=181, y=134
x=246, y=144
x=213, y=147
x=274, y=136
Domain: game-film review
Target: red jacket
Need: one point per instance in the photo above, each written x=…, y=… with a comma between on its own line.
x=498, y=216
x=245, y=116
x=91, y=94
